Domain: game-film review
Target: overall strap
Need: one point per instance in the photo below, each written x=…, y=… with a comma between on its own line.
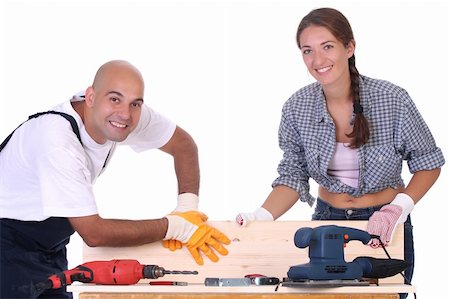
x=69, y=118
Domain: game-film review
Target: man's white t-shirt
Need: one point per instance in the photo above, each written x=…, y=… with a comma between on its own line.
x=46, y=172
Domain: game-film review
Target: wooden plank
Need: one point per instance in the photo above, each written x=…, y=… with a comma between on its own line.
x=262, y=247
x=242, y=296
x=386, y=288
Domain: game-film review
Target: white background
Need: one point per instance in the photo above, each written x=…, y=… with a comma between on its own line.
x=222, y=70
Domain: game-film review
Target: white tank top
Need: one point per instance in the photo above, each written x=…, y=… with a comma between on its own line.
x=344, y=165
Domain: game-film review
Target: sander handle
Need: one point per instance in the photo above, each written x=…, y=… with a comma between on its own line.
x=355, y=234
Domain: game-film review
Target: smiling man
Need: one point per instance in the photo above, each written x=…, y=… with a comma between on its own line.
x=113, y=103
x=49, y=164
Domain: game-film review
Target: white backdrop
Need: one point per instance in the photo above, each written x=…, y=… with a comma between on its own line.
x=222, y=70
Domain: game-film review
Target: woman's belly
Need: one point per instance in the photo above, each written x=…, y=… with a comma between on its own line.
x=345, y=201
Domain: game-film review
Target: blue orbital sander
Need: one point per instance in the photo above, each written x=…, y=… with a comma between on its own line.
x=327, y=266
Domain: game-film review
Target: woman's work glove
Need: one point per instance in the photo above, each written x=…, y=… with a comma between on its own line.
x=260, y=214
x=185, y=202
x=190, y=229
x=384, y=222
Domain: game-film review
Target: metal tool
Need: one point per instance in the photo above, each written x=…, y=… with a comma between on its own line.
x=265, y=281
x=227, y=282
x=114, y=272
x=326, y=253
x=260, y=280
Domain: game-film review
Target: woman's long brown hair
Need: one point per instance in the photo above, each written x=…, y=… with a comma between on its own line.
x=338, y=25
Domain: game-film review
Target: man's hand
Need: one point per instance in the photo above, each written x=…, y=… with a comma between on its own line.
x=190, y=229
x=384, y=222
x=185, y=202
x=172, y=244
x=260, y=214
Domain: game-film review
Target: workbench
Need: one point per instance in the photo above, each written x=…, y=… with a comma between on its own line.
x=265, y=248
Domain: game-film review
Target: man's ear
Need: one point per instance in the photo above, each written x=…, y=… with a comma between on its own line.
x=89, y=96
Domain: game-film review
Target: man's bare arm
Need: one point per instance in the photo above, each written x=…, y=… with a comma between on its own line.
x=97, y=231
x=185, y=154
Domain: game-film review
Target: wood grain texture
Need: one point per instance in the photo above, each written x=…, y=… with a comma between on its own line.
x=262, y=247
x=241, y=296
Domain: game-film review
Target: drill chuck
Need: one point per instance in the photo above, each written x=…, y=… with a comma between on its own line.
x=153, y=271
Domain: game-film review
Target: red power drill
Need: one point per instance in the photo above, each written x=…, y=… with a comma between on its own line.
x=120, y=272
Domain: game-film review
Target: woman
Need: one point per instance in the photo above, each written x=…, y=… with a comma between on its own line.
x=350, y=133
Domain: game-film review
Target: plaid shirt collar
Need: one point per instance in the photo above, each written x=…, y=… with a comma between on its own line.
x=322, y=114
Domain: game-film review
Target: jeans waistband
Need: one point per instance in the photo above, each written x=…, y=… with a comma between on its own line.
x=324, y=211
x=323, y=203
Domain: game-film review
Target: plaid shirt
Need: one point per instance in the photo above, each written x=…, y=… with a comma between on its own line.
x=397, y=132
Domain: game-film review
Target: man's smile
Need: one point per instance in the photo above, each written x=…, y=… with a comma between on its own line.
x=117, y=124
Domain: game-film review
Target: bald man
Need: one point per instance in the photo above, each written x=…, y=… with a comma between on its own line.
x=49, y=164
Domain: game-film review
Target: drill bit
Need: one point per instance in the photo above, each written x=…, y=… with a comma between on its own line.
x=180, y=272
x=154, y=271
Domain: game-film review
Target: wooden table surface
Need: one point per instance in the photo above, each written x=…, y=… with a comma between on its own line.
x=141, y=290
x=261, y=248
x=239, y=296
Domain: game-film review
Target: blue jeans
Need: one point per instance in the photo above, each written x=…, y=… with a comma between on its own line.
x=324, y=211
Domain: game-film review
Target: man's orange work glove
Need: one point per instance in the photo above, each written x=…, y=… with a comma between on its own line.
x=190, y=228
x=172, y=244
x=185, y=202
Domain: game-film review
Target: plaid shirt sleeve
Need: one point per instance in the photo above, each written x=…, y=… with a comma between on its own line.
x=418, y=145
x=292, y=169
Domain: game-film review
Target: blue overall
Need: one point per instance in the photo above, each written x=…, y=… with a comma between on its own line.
x=31, y=251
x=324, y=211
